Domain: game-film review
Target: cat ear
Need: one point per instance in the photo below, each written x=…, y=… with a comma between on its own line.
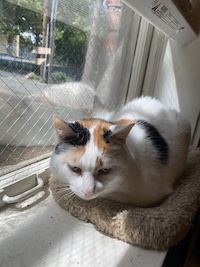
x=120, y=132
x=63, y=130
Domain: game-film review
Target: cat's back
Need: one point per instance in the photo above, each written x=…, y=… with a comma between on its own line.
x=157, y=129
x=153, y=119
x=167, y=121
x=145, y=107
x=157, y=144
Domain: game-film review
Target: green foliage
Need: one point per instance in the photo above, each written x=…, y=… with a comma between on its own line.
x=30, y=22
x=16, y=20
x=60, y=77
x=36, y=77
x=26, y=44
x=33, y=76
x=7, y=21
x=70, y=45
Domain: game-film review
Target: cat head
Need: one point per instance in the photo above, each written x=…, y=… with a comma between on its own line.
x=88, y=156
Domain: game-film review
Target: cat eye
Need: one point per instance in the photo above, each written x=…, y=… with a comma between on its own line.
x=104, y=171
x=74, y=169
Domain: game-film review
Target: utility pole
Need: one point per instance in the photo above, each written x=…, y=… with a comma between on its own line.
x=49, y=18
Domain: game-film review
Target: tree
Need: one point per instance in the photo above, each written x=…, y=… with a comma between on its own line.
x=67, y=38
x=8, y=26
x=31, y=22
x=17, y=20
x=70, y=45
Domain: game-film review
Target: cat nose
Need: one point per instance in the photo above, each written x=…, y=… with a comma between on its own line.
x=88, y=194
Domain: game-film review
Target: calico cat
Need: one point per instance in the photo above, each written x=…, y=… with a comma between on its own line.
x=132, y=156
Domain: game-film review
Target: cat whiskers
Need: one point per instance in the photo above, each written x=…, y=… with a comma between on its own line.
x=67, y=193
x=70, y=195
x=112, y=195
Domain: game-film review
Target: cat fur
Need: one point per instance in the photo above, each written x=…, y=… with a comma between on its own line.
x=132, y=156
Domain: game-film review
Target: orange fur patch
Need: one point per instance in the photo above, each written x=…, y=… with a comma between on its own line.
x=99, y=132
x=74, y=155
x=100, y=127
x=88, y=123
x=99, y=162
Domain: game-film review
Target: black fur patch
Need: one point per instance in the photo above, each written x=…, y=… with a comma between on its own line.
x=106, y=135
x=158, y=141
x=81, y=137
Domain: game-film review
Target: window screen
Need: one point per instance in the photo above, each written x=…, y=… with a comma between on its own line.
x=58, y=57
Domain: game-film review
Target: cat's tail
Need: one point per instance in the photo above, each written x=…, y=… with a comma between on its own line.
x=179, y=142
x=182, y=124
x=103, y=114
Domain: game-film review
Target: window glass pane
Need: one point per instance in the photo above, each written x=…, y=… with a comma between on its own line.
x=58, y=57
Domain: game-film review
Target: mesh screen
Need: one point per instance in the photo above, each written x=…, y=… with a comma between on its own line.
x=63, y=57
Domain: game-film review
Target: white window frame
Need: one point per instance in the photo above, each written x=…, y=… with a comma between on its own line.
x=159, y=42
x=141, y=60
x=156, y=56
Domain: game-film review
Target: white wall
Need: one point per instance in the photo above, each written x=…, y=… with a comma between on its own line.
x=178, y=80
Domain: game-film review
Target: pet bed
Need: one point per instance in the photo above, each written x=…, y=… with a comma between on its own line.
x=157, y=227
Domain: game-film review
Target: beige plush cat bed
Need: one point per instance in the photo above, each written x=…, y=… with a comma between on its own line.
x=157, y=228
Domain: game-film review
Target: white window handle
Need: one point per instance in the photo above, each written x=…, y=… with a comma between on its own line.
x=25, y=195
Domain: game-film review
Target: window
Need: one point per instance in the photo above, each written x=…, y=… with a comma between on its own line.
x=63, y=57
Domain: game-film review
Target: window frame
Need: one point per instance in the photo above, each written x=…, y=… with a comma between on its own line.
x=140, y=62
